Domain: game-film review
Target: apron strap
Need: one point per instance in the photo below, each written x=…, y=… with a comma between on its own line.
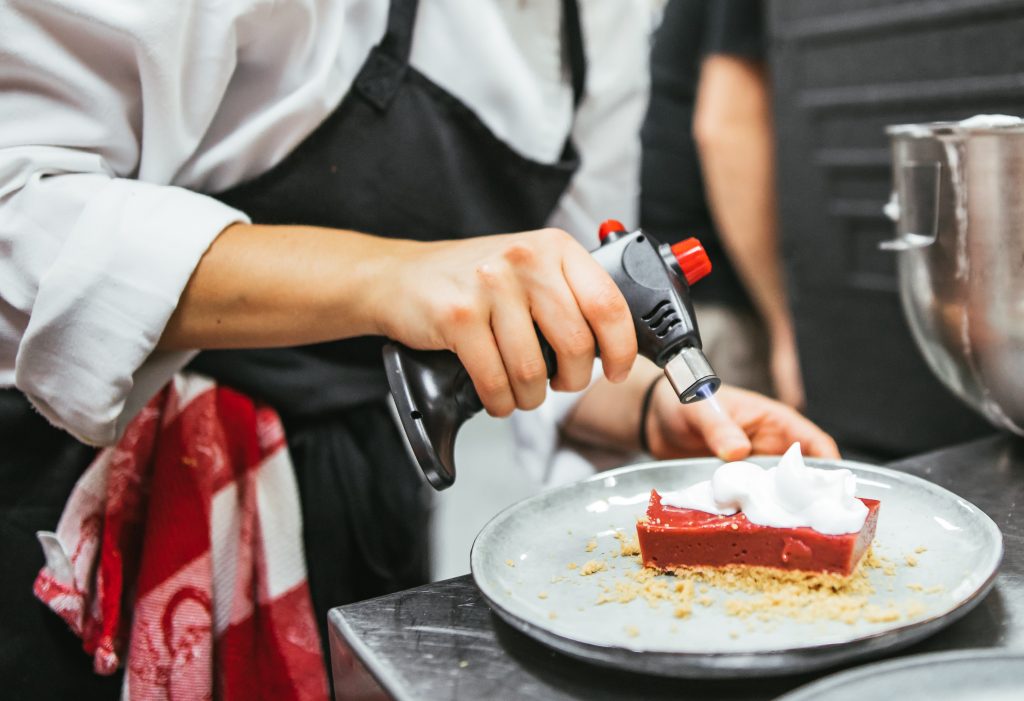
x=572, y=32
x=385, y=67
x=397, y=41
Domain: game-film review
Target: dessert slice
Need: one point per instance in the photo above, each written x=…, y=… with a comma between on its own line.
x=672, y=537
x=790, y=517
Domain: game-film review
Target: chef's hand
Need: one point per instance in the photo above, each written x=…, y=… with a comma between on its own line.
x=748, y=423
x=480, y=298
x=269, y=286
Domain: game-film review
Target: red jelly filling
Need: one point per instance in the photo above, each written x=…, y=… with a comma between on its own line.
x=673, y=537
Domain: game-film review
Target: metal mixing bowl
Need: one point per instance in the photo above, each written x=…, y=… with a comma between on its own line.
x=958, y=205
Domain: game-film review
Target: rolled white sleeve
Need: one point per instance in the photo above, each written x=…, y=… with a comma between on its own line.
x=97, y=245
x=97, y=300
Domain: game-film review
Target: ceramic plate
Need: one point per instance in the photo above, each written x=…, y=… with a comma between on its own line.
x=962, y=675
x=943, y=553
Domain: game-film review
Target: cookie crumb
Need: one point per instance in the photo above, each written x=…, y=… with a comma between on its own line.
x=591, y=545
x=510, y=563
x=877, y=614
x=772, y=595
x=571, y=566
x=910, y=560
x=920, y=549
x=552, y=615
x=591, y=567
x=914, y=609
x=632, y=631
x=627, y=546
x=463, y=664
x=542, y=595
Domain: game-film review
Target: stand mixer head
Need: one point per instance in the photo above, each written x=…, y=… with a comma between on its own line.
x=434, y=394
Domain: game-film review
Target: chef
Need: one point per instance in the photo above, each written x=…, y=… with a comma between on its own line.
x=299, y=179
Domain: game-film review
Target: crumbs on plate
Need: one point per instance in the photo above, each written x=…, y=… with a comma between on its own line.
x=627, y=546
x=757, y=594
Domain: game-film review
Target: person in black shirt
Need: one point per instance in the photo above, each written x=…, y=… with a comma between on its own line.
x=708, y=171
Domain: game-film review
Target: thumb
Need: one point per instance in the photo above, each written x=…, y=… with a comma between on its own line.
x=723, y=436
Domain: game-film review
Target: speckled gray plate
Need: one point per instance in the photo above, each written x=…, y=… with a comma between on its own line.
x=961, y=675
x=523, y=549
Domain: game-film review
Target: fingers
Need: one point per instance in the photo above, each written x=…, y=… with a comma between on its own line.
x=604, y=309
x=724, y=437
x=517, y=342
x=563, y=325
x=543, y=277
x=813, y=441
x=781, y=426
x=479, y=353
x=773, y=426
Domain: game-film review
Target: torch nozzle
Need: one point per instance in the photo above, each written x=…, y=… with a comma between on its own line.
x=691, y=376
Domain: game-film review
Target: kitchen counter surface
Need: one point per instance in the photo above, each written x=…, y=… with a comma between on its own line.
x=441, y=641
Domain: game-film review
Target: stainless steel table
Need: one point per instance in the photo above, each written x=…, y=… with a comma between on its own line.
x=441, y=641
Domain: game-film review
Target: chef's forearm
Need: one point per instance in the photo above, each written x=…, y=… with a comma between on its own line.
x=267, y=286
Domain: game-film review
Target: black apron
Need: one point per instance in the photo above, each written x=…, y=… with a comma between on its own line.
x=401, y=158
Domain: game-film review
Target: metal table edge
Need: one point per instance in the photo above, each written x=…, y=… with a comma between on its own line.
x=366, y=657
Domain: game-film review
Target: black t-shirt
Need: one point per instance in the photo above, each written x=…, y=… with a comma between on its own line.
x=673, y=205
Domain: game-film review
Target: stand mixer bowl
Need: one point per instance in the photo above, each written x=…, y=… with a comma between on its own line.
x=958, y=205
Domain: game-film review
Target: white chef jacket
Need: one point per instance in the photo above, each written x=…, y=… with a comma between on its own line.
x=116, y=114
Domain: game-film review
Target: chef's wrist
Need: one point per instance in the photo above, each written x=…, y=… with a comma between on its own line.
x=645, y=416
x=378, y=283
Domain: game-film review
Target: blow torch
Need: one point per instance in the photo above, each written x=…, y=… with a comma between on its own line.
x=434, y=394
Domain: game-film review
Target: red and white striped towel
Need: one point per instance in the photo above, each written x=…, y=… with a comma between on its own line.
x=179, y=555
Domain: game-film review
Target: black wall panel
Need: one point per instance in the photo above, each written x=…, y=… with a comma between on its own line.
x=842, y=71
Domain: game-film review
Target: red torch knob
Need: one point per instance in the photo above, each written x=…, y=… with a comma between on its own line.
x=692, y=259
x=608, y=227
